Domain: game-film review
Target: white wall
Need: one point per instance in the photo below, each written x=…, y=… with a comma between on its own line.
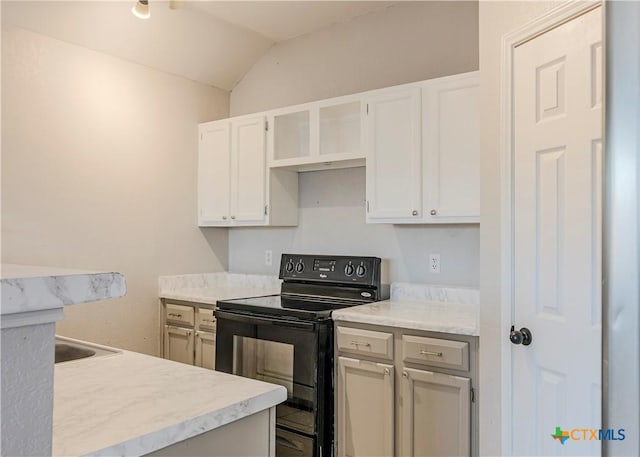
x=332, y=221
x=404, y=43
x=496, y=20
x=99, y=172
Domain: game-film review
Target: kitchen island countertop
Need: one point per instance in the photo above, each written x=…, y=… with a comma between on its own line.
x=133, y=404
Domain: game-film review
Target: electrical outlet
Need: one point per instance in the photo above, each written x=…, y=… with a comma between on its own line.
x=434, y=263
x=268, y=257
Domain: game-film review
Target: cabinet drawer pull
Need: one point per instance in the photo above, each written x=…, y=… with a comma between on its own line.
x=175, y=315
x=357, y=343
x=433, y=353
x=405, y=374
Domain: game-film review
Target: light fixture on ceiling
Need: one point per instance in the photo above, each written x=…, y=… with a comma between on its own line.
x=141, y=9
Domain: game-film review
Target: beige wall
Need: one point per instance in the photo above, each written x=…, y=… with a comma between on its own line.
x=496, y=20
x=99, y=172
x=408, y=42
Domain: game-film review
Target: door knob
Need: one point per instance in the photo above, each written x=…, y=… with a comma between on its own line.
x=522, y=336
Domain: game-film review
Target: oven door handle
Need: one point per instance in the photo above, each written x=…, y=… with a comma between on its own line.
x=256, y=320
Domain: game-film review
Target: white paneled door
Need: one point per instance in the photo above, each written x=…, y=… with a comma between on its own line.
x=556, y=380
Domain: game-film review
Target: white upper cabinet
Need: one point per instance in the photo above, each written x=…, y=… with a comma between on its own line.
x=424, y=166
x=235, y=188
x=317, y=136
x=392, y=139
x=451, y=135
x=420, y=143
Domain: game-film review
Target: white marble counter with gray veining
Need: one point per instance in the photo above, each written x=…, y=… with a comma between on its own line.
x=211, y=287
x=132, y=404
x=28, y=288
x=421, y=307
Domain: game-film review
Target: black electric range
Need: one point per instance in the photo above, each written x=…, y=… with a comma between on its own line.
x=287, y=339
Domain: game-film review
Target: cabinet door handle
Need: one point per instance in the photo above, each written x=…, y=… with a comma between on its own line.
x=233, y=217
x=405, y=374
x=387, y=371
x=414, y=212
x=433, y=353
x=357, y=343
x=224, y=218
x=433, y=212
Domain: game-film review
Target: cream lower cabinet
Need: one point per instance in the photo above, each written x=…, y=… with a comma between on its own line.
x=366, y=427
x=435, y=414
x=206, y=350
x=178, y=344
x=189, y=333
x=402, y=392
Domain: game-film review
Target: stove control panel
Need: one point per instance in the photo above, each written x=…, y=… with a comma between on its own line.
x=363, y=271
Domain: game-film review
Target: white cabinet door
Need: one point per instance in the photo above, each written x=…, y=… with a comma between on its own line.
x=435, y=414
x=206, y=350
x=451, y=136
x=248, y=170
x=365, y=405
x=214, y=167
x=394, y=157
x=178, y=344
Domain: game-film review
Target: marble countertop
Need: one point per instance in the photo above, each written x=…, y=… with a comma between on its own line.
x=132, y=404
x=27, y=288
x=456, y=318
x=212, y=287
x=213, y=295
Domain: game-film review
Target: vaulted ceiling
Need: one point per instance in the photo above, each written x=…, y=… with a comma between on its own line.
x=214, y=43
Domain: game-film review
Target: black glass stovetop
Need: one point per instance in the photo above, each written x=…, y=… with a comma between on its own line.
x=307, y=308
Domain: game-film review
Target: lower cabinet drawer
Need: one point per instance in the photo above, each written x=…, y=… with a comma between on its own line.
x=179, y=314
x=435, y=352
x=206, y=320
x=365, y=342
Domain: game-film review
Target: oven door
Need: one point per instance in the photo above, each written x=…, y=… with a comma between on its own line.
x=273, y=350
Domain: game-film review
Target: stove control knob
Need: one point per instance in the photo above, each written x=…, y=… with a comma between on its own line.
x=348, y=270
x=361, y=270
x=289, y=266
x=299, y=267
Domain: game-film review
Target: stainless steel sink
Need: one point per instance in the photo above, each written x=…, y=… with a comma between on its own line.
x=66, y=352
x=68, y=349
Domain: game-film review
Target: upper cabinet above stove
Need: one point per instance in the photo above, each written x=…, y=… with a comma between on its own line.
x=317, y=136
x=419, y=142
